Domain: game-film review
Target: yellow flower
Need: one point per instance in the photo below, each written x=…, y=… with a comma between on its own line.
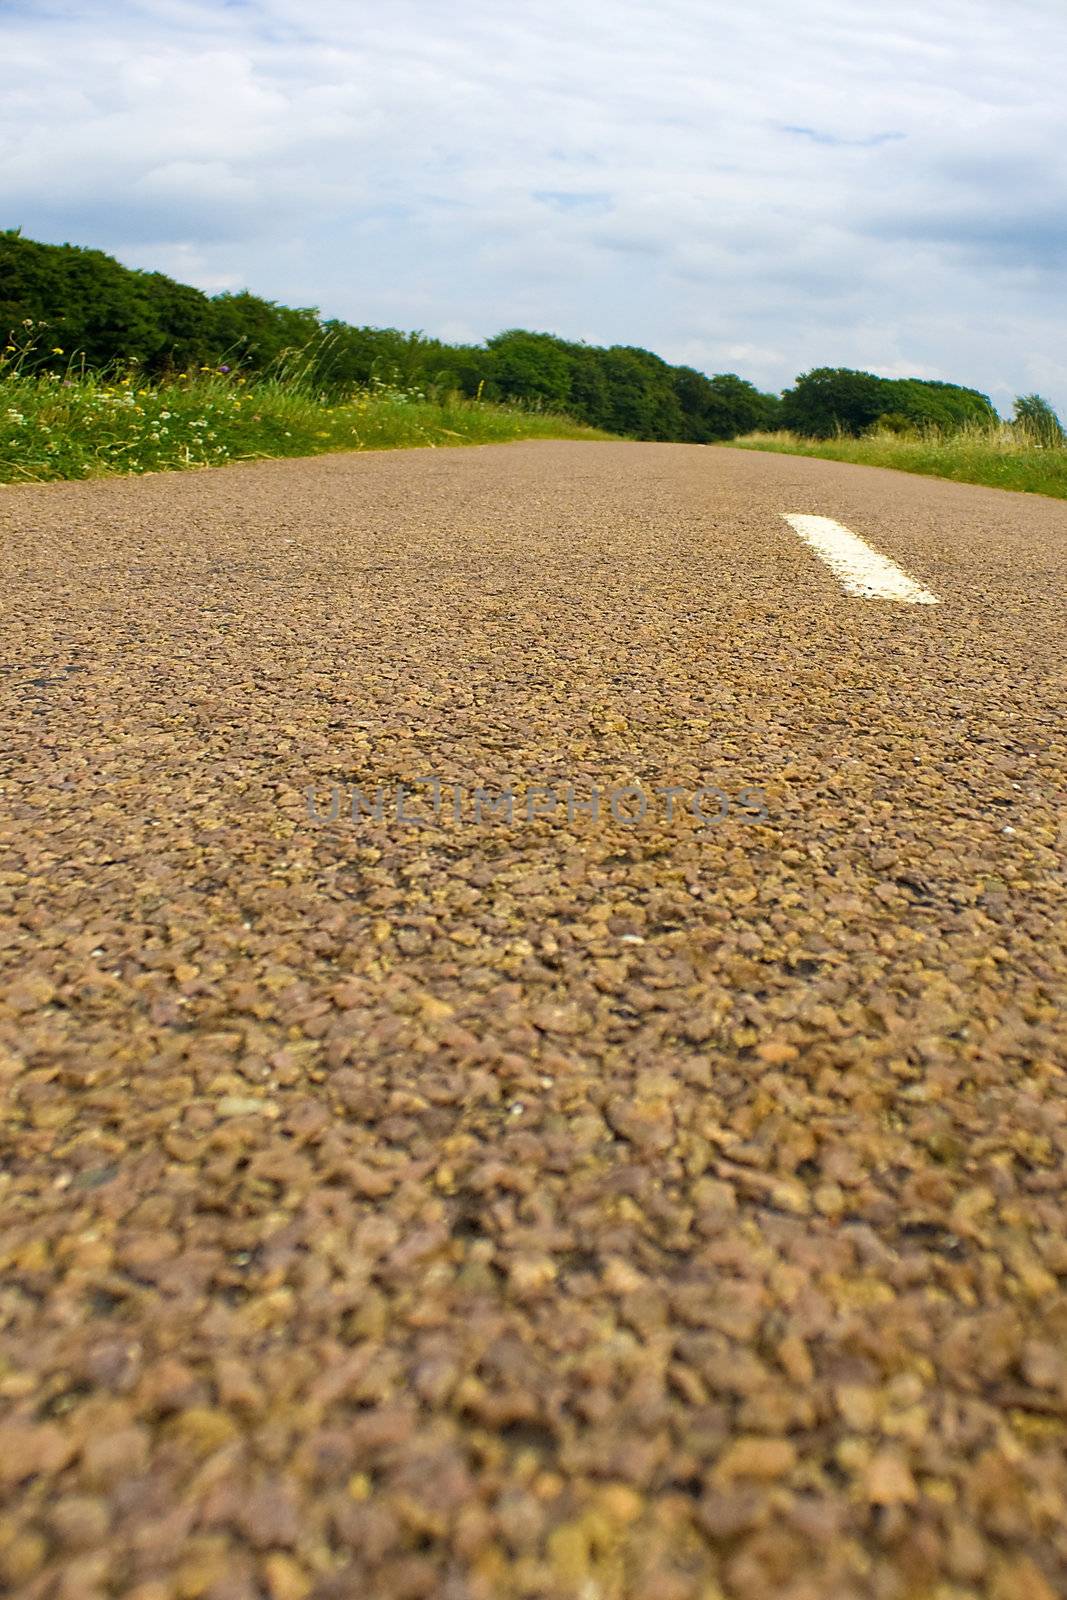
x=57, y=349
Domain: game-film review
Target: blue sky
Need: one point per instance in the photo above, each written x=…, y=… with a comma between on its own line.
x=758, y=188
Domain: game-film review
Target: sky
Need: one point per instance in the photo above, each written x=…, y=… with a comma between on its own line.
x=750, y=186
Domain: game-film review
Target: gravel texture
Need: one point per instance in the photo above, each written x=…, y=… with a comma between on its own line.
x=567, y=1208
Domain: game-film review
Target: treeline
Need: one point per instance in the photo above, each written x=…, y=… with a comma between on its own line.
x=104, y=312
x=98, y=312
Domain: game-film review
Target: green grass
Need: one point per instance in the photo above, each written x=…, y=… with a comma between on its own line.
x=90, y=426
x=1001, y=456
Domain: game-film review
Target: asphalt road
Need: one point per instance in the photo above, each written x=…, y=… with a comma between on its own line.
x=437, y=1204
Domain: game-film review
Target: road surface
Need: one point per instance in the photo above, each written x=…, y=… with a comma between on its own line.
x=666, y=1202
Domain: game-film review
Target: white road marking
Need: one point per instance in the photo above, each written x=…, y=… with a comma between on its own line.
x=862, y=571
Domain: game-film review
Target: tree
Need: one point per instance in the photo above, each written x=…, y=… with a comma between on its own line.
x=183, y=323
x=1034, y=416
x=642, y=403
x=926, y=402
x=590, y=394
x=257, y=332
x=531, y=367
x=727, y=405
x=831, y=400
x=90, y=304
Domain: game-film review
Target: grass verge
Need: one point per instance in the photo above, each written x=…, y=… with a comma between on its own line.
x=90, y=426
x=996, y=456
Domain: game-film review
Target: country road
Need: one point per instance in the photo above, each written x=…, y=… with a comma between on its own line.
x=656, y=1193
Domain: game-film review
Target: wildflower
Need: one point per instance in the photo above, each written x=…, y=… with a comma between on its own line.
x=57, y=349
x=224, y=369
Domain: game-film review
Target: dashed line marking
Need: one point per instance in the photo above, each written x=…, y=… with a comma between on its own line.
x=861, y=570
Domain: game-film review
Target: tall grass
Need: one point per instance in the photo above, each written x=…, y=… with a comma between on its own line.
x=1002, y=455
x=86, y=424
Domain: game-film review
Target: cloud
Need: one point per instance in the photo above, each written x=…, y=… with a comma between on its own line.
x=574, y=200
x=760, y=189
x=836, y=142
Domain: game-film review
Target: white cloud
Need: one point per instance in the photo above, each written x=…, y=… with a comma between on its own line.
x=759, y=189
